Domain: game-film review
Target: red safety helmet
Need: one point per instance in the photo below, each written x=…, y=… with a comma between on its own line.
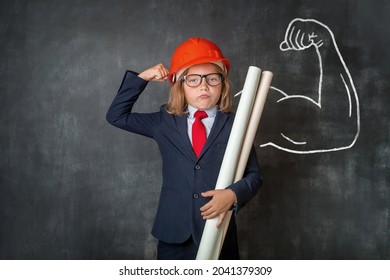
x=195, y=51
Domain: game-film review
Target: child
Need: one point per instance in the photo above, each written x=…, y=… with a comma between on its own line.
x=190, y=168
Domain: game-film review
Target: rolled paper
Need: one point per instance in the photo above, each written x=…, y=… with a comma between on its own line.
x=257, y=111
x=209, y=247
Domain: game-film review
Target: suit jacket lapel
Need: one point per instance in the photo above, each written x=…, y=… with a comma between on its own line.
x=219, y=123
x=181, y=122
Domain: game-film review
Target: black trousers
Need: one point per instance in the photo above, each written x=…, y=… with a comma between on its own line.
x=188, y=249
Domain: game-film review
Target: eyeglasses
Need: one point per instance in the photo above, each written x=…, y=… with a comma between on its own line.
x=194, y=80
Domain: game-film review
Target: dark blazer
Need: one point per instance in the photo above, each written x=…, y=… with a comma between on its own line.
x=184, y=175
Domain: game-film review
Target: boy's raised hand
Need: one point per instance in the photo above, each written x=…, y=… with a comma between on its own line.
x=157, y=73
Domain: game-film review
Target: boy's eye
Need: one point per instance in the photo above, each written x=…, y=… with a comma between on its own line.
x=193, y=80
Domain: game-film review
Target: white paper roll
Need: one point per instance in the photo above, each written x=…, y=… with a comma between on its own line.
x=257, y=111
x=209, y=245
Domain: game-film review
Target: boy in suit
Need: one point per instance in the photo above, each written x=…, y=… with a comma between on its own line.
x=192, y=131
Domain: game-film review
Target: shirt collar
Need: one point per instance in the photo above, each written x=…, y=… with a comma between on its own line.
x=210, y=112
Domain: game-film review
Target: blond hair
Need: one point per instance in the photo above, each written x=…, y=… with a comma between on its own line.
x=177, y=103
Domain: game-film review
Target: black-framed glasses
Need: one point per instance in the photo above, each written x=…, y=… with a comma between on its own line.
x=194, y=80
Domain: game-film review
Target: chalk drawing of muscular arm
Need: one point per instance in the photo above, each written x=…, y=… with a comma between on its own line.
x=329, y=118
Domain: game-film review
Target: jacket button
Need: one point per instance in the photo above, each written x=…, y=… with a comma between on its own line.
x=197, y=167
x=195, y=195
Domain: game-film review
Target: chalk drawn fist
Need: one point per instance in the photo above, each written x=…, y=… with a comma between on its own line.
x=304, y=33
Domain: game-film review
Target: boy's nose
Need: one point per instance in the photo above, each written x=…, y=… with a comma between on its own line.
x=203, y=82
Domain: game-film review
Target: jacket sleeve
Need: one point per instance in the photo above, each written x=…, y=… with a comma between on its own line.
x=248, y=186
x=120, y=112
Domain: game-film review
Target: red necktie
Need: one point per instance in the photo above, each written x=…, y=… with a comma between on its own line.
x=198, y=132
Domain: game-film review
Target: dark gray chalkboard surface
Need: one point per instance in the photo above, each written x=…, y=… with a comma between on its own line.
x=74, y=187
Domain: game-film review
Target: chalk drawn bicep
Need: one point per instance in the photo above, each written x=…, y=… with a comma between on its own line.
x=316, y=128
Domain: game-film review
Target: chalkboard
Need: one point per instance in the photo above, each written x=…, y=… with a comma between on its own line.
x=74, y=187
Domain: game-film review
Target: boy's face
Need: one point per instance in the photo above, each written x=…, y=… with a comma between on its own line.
x=203, y=96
